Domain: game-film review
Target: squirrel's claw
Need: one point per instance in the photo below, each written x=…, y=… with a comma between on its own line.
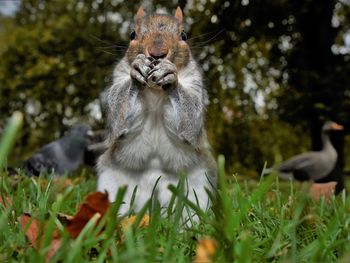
x=140, y=68
x=163, y=73
x=167, y=79
x=135, y=74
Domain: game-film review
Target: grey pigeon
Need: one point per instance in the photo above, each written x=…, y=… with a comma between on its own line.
x=61, y=156
x=95, y=148
x=313, y=165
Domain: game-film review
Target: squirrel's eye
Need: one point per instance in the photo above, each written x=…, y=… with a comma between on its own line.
x=132, y=35
x=183, y=36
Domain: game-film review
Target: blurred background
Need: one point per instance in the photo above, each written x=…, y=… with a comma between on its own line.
x=275, y=71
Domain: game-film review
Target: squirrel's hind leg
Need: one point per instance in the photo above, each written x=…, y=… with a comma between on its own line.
x=110, y=180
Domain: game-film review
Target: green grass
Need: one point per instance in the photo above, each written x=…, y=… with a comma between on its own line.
x=251, y=221
x=264, y=221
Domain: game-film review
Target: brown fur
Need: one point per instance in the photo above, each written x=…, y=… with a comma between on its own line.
x=159, y=35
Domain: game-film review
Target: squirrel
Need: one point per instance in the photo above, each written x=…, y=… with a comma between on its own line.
x=155, y=117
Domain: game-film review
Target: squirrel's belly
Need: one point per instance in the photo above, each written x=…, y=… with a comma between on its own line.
x=153, y=148
x=173, y=155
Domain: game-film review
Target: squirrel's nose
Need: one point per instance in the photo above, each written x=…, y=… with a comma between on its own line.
x=157, y=53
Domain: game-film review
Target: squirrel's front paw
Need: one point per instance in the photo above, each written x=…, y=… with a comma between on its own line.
x=140, y=68
x=163, y=74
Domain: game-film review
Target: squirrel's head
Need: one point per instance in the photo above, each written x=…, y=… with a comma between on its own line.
x=159, y=36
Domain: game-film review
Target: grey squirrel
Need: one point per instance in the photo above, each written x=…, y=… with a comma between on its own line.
x=156, y=109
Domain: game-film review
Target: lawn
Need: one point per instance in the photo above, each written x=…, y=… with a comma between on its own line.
x=262, y=221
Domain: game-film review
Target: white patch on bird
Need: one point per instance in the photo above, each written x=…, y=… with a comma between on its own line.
x=286, y=176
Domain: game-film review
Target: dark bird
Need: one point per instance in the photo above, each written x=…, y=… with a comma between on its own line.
x=316, y=164
x=95, y=148
x=63, y=155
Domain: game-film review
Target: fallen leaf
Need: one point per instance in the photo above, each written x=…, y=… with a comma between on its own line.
x=128, y=221
x=144, y=221
x=6, y=202
x=31, y=227
x=322, y=189
x=54, y=246
x=96, y=202
x=205, y=250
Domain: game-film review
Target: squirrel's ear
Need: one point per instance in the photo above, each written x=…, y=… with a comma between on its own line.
x=178, y=14
x=140, y=13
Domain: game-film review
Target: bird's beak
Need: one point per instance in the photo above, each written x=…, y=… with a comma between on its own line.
x=337, y=127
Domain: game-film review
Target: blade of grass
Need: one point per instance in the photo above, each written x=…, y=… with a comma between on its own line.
x=9, y=136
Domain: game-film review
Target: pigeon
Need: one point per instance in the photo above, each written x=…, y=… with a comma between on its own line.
x=312, y=166
x=95, y=148
x=62, y=156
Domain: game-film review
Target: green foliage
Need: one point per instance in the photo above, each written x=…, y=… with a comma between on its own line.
x=8, y=138
x=55, y=63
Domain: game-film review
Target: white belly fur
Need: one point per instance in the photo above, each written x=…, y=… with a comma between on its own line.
x=149, y=155
x=112, y=179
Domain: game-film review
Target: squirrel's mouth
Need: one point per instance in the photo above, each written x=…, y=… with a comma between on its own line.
x=158, y=57
x=157, y=52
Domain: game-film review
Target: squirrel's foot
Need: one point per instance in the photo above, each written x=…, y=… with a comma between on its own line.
x=140, y=68
x=163, y=74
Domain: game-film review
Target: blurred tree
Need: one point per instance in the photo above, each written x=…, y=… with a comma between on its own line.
x=242, y=64
x=286, y=51
x=6, y=24
x=57, y=60
x=259, y=58
x=318, y=74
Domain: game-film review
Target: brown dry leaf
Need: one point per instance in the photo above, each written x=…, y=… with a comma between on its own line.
x=54, y=246
x=322, y=189
x=6, y=202
x=96, y=202
x=31, y=226
x=205, y=250
x=144, y=221
x=127, y=222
